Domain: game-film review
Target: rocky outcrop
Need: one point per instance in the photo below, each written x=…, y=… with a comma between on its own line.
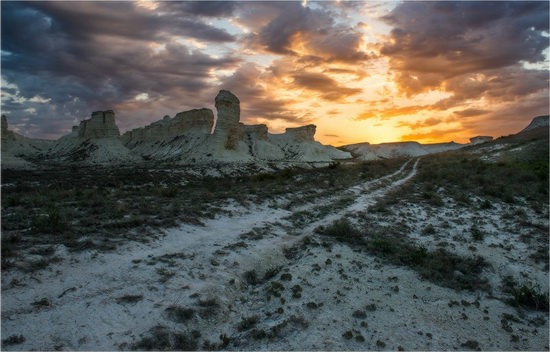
x=101, y=125
x=539, y=121
x=196, y=120
x=187, y=138
x=258, y=132
x=299, y=145
x=18, y=151
x=228, y=131
x=301, y=134
x=95, y=141
x=366, y=151
x=480, y=139
x=199, y=120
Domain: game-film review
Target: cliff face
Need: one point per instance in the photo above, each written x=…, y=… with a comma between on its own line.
x=302, y=134
x=101, y=125
x=197, y=120
x=258, y=132
x=94, y=142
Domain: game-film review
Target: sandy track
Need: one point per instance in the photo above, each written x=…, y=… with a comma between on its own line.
x=85, y=309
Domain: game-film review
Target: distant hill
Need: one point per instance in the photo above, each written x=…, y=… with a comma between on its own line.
x=539, y=121
x=367, y=151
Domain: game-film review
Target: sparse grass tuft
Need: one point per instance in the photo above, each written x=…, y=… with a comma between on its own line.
x=342, y=230
x=477, y=234
x=180, y=314
x=526, y=295
x=162, y=339
x=438, y=266
x=52, y=222
x=248, y=323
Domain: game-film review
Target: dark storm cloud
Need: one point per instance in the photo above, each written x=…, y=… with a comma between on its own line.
x=201, y=8
x=293, y=19
x=90, y=56
x=319, y=82
x=127, y=20
x=314, y=29
x=435, y=41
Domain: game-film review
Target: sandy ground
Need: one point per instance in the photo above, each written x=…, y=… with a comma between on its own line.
x=334, y=298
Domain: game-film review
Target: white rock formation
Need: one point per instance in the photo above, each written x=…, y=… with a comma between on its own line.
x=228, y=131
x=17, y=150
x=197, y=120
x=367, y=151
x=298, y=144
x=480, y=139
x=94, y=141
x=539, y=121
x=187, y=139
x=101, y=125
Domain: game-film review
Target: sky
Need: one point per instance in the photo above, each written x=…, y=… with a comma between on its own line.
x=361, y=71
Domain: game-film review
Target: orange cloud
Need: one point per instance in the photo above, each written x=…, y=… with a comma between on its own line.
x=385, y=114
x=436, y=136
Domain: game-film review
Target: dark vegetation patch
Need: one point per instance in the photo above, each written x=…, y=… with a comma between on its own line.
x=527, y=295
x=13, y=340
x=180, y=314
x=462, y=176
x=438, y=266
x=129, y=299
x=87, y=208
x=160, y=338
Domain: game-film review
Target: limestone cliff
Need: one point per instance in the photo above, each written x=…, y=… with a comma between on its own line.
x=101, y=125
x=196, y=120
x=302, y=134
x=95, y=141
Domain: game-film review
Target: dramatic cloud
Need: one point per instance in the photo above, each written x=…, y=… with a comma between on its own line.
x=107, y=59
x=360, y=71
x=200, y=8
x=471, y=112
x=387, y=113
x=319, y=82
x=250, y=85
x=435, y=41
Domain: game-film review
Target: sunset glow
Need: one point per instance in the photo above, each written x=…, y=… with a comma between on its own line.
x=361, y=71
